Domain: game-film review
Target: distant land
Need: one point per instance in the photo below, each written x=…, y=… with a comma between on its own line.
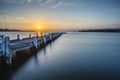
x=15, y=30
x=82, y=30
x=100, y=30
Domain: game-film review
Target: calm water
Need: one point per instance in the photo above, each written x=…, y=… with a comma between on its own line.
x=73, y=56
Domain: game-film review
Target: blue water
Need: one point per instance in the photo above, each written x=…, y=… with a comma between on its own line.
x=74, y=56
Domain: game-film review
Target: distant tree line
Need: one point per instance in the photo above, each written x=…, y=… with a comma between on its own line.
x=16, y=30
x=100, y=30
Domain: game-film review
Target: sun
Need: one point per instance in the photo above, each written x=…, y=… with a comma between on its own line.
x=39, y=27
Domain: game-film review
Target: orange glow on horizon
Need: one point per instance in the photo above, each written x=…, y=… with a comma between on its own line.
x=39, y=27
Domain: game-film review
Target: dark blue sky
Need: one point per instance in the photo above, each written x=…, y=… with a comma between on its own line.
x=60, y=14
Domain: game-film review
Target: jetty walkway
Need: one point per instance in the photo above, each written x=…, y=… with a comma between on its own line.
x=8, y=47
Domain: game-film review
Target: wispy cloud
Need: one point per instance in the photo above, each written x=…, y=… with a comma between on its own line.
x=9, y=1
x=68, y=4
x=62, y=3
x=116, y=9
x=14, y=1
x=5, y=12
x=13, y=19
x=27, y=2
x=42, y=3
x=47, y=2
x=17, y=1
x=57, y=4
x=39, y=0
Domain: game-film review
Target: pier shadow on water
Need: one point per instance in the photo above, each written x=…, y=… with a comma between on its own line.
x=20, y=59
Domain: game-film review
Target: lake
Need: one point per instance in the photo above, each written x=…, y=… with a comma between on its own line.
x=73, y=56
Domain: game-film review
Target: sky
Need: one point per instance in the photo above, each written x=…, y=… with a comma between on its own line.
x=59, y=14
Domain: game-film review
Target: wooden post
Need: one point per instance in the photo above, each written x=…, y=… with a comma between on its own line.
x=44, y=39
x=54, y=35
x=41, y=33
x=18, y=37
x=2, y=44
x=37, y=35
x=7, y=39
x=50, y=35
x=8, y=55
x=45, y=33
x=35, y=42
x=29, y=35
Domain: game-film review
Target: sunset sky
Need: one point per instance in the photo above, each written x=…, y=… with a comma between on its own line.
x=59, y=14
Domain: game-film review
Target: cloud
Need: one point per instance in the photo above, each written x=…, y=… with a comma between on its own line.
x=68, y=4
x=42, y=3
x=57, y=4
x=13, y=19
x=21, y=19
x=116, y=9
x=45, y=3
x=27, y=2
x=62, y=3
x=9, y=1
x=5, y=12
x=13, y=1
x=40, y=0
x=17, y=1
x=49, y=1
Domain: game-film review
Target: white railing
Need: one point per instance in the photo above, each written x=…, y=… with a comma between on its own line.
x=2, y=45
x=7, y=46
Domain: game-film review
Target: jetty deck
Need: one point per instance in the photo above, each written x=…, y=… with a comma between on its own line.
x=8, y=47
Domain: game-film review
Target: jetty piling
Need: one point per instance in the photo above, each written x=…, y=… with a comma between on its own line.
x=8, y=47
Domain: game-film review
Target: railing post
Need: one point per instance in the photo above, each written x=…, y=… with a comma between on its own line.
x=7, y=50
x=44, y=39
x=18, y=37
x=7, y=41
x=50, y=35
x=37, y=35
x=54, y=35
x=2, y=44
x=29, y=35
x=36, y=42
x=57, y=34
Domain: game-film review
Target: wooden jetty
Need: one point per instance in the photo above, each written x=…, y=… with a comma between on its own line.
x=8, y=47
